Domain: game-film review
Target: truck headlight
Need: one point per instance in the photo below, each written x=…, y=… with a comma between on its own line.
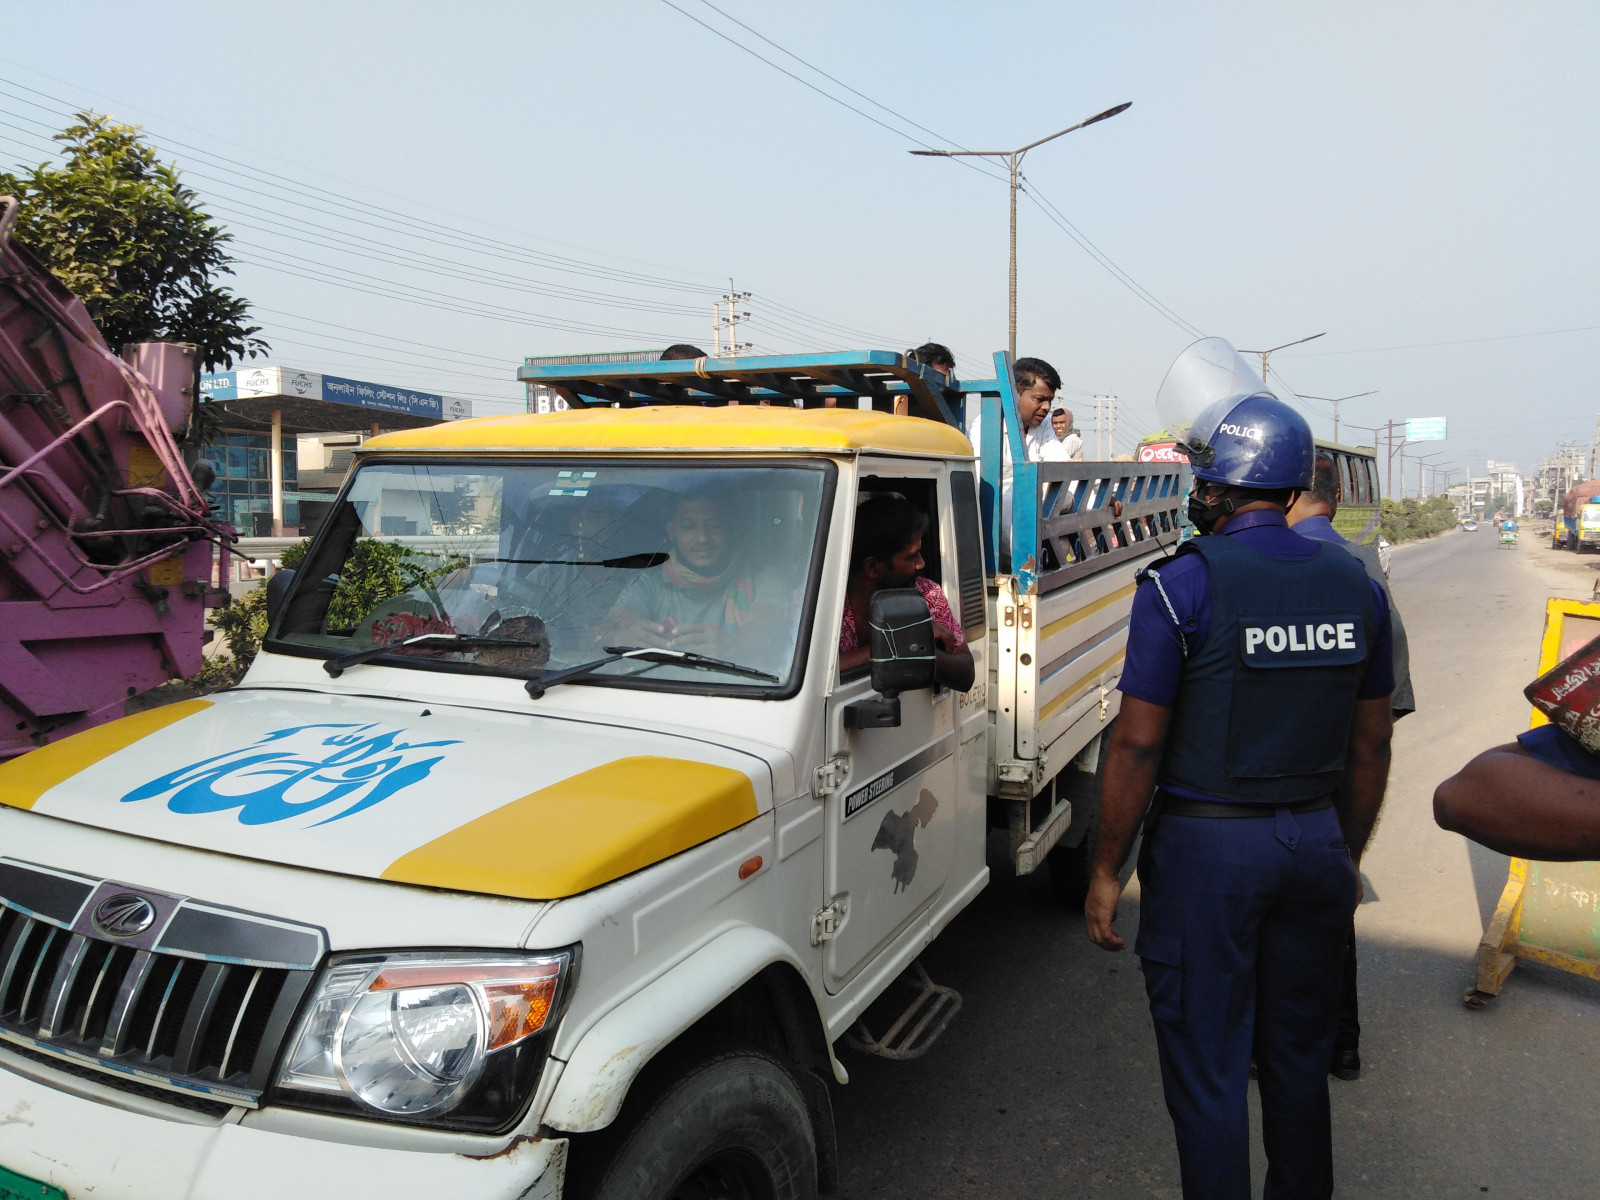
x=454, y=1040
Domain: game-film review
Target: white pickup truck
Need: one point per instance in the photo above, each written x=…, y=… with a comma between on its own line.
x=485, y=883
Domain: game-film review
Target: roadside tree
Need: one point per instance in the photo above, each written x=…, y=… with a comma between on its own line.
x=119, y=228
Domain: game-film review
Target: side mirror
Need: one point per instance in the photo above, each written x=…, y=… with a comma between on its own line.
x=277, y=588
x=902, y=656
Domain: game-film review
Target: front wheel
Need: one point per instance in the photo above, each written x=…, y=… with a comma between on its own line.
x=733, y=1128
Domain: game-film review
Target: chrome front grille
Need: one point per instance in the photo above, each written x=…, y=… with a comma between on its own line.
x=190, y=1005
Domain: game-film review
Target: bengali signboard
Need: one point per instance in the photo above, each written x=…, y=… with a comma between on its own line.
x=382, y=396
x=257, y=382
x=1162, y=452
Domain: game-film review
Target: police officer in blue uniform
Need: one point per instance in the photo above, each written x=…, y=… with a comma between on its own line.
x=1254, y=727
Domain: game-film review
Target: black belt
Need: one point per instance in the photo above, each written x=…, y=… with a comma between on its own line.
x=1178, y=806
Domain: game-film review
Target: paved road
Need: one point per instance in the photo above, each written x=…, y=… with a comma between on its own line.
x=1047, y=1084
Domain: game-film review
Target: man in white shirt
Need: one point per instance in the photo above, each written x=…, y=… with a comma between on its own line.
x=1036, y=384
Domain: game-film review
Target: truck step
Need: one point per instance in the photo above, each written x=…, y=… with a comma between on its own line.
x=918, y=1027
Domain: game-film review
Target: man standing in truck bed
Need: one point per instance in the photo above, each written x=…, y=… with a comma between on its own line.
x=1256, y=708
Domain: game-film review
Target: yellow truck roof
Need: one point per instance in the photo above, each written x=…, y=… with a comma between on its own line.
x=743, y=428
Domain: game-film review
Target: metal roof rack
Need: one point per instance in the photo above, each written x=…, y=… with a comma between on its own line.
x=840, y=380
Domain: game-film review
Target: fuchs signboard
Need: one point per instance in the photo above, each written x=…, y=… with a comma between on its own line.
x=257, y=382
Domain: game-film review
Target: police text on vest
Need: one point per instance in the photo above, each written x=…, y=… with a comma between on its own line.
x=1327, y=635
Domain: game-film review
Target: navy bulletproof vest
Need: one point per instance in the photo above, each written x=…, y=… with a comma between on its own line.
x=1264, y=709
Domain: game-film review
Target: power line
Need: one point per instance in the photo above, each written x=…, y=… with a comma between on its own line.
x=1041, y=201
x=318, y=200
x=808, y=84
x=1052, y=213
x=371, y=214
x=1499, y=337
x=834, y=79
x=71, y=109
x=456, y=304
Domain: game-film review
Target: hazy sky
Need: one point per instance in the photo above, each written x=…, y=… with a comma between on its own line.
x=1399, y=175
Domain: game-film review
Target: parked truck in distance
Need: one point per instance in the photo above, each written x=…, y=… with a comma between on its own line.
x=493, y=883
x=1577, y=523
x=106, y=547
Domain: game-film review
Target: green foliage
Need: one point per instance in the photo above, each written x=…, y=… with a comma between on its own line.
x=374, y=572
x=1544, y=507
x=119, y=229
x=1410, y=518
x=242, y=625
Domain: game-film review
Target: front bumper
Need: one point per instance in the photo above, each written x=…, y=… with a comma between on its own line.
x=88, y=1148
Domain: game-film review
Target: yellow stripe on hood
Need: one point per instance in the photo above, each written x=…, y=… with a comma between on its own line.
x=587, y=830
x=28, y=776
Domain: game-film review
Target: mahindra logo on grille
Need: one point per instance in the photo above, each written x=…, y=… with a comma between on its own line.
x=124, y=915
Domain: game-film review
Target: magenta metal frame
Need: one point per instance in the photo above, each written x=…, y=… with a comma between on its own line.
x=107, y=549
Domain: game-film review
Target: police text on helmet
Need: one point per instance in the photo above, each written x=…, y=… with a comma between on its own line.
x=1247, y=431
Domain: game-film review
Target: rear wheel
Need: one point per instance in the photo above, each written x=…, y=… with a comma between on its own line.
x=733, y=1128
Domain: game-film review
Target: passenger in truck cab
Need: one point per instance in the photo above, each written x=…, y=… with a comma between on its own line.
x=887, y=553
x=701, y=599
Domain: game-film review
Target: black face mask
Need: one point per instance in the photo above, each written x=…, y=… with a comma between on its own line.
x=1204, y=516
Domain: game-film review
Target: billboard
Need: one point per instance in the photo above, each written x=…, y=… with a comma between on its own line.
x=254, y=382
x=1424, y=429
x=1162, y=452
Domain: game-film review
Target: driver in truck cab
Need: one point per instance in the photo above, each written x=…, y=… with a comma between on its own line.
x=887, y=553
x=701, y=599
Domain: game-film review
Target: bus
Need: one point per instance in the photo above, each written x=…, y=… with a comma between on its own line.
x=1357, y=519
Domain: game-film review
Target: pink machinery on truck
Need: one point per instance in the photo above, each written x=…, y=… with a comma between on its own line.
x=106, y=546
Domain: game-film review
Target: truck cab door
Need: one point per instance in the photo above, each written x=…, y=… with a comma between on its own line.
x=893, y=819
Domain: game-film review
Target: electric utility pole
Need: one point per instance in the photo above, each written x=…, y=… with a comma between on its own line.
x=1333, y=400
x=729, y=324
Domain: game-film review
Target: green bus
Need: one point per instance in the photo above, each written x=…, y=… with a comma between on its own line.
x=1357, y=519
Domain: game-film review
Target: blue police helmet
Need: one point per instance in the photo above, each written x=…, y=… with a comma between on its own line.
x=1251, y=442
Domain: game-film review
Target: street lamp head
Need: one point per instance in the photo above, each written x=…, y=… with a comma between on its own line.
x=1110, y=112
x=931, y=153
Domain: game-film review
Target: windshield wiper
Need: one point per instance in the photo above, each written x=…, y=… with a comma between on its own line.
x=650, y=654
x=627, y=562
x=336, y=666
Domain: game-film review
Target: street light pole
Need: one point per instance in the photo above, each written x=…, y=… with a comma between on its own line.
x=1013, y=159
x=1333, y=400
x=1265, y=354
x=1421, y=462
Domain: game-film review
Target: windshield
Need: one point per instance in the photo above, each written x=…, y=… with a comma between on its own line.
x=526, y=569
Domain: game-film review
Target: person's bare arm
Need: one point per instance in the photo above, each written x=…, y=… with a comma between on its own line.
x=1132, y=760
x=952, y=664
x=1512, y=802
x=1366, y=773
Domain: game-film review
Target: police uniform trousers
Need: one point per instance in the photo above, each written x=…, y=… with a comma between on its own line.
x=1242, y=932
